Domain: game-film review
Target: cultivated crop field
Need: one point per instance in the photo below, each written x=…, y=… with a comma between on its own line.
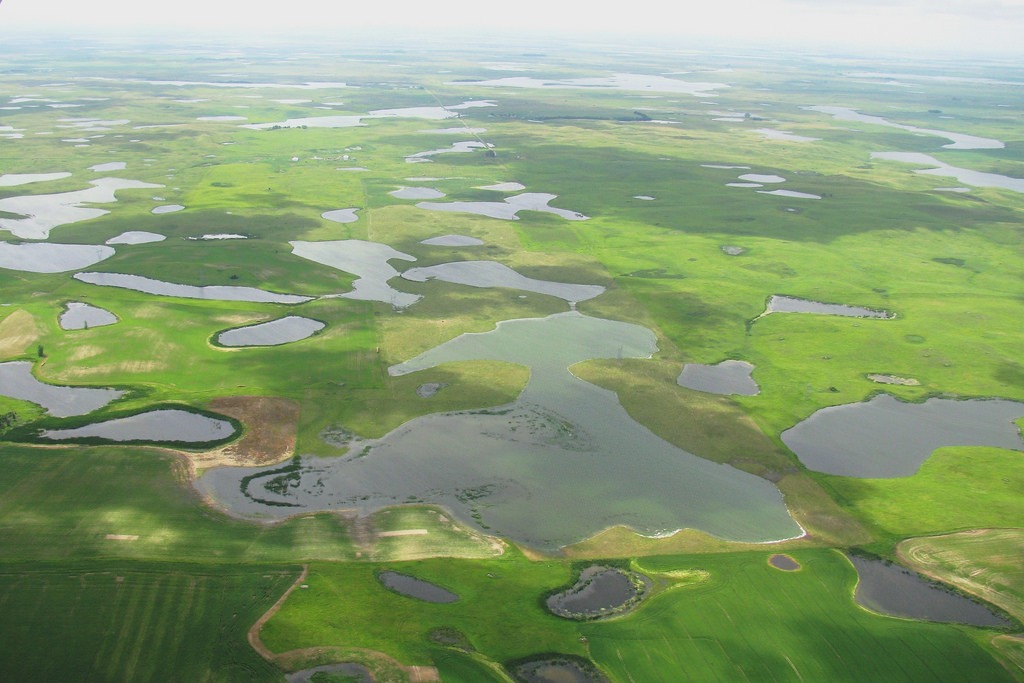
x=842, y=231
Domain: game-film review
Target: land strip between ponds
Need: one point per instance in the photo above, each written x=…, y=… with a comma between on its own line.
x=292, y=660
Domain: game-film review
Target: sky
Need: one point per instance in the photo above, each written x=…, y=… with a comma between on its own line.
x=950, y=27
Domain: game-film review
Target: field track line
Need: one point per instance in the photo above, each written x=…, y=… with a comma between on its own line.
x=254, y=631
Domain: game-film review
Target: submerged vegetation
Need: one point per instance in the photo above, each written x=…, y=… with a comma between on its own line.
x=602, y=188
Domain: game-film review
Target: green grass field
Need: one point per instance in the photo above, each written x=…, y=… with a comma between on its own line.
x=804, y=626
x=119, y=621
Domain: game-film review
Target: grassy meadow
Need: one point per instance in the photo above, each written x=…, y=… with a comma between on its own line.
x=113, y=567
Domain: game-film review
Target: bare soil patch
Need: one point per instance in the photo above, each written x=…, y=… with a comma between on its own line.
x=403, y=532
x=270, y=424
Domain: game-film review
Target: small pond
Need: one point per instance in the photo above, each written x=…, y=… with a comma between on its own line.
x=46, y=257
x=884, y=437
x=897, y=591
x=727, y=377
x=503, y=187
x=456, y=148
x=430, y=389
x=453, y=241
x=792, y=194
x=341, y=215
x=416, y=193
x=80, y=316
x=212, y=292
x=599, y=591
x=15, y=179
x=494, y=274
x=784, y=562
x=366, y=260
x=17, y=381
x=507, y=210
x=786, y=136
x=412, y=587
x=136, y=237
x=558, y=669
x=109, y=166
x=788, y=304
x=357, y=673
x=165, y=425
x=762, y=178
x=167, y=208
x=285, y=330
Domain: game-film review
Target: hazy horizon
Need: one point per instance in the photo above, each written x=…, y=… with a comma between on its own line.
x=948, y=28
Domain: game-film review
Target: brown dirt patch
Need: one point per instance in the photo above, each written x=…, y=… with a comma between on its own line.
x=17, y=331
x=270, y=424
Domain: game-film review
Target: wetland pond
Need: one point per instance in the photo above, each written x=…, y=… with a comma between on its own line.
x=164, y=425
x=366, y=260
x=411, y=587
x=136, y=237
x=341, y=215
x=47, y=257
x=47, y=211
x=599, y=592
x=488, y=274
x=557, y=669
x=957, y=140
x=964, y=175
x=167, y=208
x=17, y=381
x=212, y=292
x=896, y=591
x=81, y=316
x=788, y=304
x=784, y=562
x=507, y=210
x=728, y=377
x=354, y=673
x=291, y=328
x=885, y=438
x=561, y=463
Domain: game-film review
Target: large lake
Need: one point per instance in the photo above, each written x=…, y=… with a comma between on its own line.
x=884, y=437
x=558, y=465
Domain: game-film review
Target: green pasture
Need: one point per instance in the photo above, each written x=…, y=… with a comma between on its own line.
x=61, y=504
x=117, y=621
x=804, y=626
x=956, y=488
